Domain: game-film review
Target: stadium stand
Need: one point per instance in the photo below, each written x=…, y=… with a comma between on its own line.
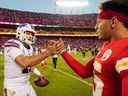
x=76, y=30
x=16, y=16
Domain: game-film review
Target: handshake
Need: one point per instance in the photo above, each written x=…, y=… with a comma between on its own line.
x=55, y=47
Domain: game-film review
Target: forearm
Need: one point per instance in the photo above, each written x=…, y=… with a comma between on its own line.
x=82, y=70
x=29, y=61
x=37, y=59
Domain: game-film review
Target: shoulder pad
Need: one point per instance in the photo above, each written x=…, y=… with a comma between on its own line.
x=12, y=43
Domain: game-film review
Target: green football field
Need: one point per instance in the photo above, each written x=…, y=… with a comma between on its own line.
x=63, y=81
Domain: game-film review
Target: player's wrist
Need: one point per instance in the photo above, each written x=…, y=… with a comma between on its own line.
x=37, y=72
x=46, y=52
x=51, y=52
x=63, y=51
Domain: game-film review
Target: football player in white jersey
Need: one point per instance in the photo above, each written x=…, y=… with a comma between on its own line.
x=19, y=62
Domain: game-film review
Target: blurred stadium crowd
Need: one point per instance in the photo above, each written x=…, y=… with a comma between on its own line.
x=51, y=24
x=15, y=16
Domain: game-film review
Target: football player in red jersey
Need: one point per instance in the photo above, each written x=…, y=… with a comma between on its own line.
x=110, y=67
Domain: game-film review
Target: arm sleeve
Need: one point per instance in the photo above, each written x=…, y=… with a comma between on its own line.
x=12, y=49
x=13, y=52
x=122, y=69
x=82, y=70
x=124, y=81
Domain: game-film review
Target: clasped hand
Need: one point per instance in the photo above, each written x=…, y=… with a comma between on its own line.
x=56, y=47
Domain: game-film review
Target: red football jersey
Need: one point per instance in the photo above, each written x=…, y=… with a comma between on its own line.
x=111, y=60
x=110, y=69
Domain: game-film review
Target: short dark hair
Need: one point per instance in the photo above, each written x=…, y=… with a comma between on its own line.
x=117, y=7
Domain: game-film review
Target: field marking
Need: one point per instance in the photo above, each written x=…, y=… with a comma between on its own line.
x=65, y=73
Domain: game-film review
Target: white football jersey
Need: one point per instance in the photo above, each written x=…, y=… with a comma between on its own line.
x=13, y=73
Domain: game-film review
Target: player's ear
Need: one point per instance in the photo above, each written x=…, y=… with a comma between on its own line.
x=114, y=22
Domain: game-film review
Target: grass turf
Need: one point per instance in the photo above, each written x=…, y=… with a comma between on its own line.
x=60, y=84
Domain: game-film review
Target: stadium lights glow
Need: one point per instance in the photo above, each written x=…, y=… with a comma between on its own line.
x=71, y=3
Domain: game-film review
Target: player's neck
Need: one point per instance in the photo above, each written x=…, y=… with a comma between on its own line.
x=120, y=34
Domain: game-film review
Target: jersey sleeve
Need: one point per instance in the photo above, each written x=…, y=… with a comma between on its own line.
x=122, y=66
x=12, y=49
x=122, y=69
x=83, y=70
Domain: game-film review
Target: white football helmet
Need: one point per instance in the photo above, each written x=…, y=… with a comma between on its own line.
x=21, y=33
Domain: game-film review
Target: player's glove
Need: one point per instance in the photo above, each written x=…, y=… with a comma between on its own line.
x=41, y=82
